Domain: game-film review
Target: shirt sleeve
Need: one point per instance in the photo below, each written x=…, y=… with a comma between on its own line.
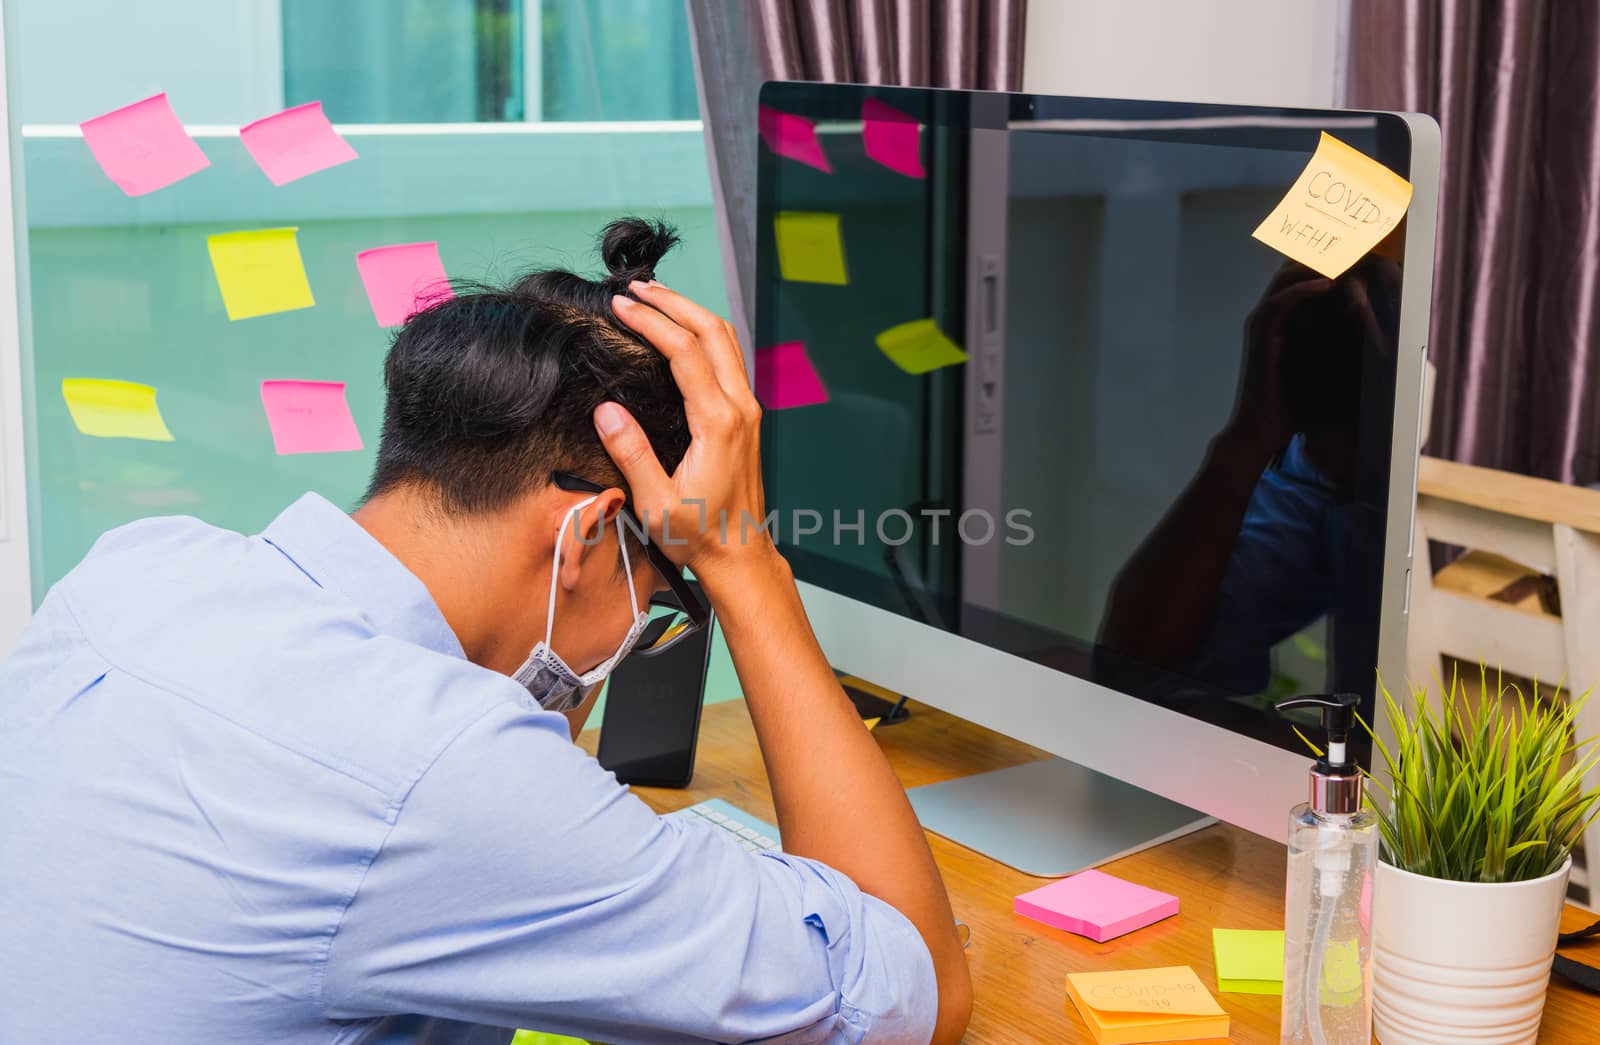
x=521, y=886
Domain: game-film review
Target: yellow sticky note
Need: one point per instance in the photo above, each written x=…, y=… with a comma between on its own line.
x=114, y=409
x=1249, y=961
x=871, y=723
x=1145, y=1005
x=1342, y=974
x=260, y=272
x=1343, y=203
x=919, y=346
x=810, y=247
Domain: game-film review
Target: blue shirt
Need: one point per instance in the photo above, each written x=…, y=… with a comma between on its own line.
x=252, y=791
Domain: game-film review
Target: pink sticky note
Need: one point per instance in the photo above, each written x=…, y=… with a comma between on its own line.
x=309, y=417
x=142, y=147
x=792, y=136
x=892, y=138
x=785, y=377
x=1096, y=905
x=403, y=279
x=1364, y=908
x=294, y=143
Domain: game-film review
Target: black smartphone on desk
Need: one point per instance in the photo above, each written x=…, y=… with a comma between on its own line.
x=652, y=717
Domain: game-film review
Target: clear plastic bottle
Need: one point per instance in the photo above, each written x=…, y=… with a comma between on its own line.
x=1327, y=939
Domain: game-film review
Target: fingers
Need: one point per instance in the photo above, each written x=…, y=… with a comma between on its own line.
x=625, y=441
x=714, y=334
x=691, y=369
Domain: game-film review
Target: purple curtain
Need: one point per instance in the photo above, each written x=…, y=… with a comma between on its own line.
x=739, y=44
x=1515, y=86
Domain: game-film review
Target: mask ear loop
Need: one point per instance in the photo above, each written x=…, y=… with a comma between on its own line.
x=627, y=567
x=555, y=566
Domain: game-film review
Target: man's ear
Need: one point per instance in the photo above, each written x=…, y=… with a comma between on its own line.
x=586, y=533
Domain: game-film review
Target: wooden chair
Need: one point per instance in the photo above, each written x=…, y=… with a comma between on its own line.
x=1521, y=533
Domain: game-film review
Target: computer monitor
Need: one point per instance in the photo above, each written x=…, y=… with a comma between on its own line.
x=1053, y=444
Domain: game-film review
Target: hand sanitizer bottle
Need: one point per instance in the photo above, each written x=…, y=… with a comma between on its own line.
x=1333, y=849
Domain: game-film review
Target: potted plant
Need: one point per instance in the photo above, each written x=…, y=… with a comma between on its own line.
x=1479, y=811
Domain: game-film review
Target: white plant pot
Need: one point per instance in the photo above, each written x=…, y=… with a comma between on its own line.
x=1462, y=962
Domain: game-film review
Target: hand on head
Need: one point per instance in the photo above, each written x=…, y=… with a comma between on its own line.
x=709, y=513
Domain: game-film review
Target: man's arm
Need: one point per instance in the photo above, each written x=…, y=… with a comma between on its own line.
x=827, y=773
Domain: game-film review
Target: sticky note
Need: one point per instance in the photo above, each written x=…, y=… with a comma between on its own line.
x=403, y=279
x=1342, y=975
x=871, y=723
x=309, y=417
x=1249, y=961
x=114, y=409
x=892, y=138
x=1146, y=1005
x=293, y=143
x=259, y=272
x=142, y=147
x=793, y=137
x=1343, y=203
x=1095, y=904
x=810, y=248
x=919, y=346
x=786, y=379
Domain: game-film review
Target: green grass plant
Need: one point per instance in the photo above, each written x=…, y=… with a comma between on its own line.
x=1483, y=790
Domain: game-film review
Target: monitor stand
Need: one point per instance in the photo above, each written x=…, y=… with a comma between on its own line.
x=1052, y=817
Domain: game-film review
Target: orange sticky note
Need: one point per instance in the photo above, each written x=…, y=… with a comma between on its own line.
x=1340, y=207
x=1145, y=1005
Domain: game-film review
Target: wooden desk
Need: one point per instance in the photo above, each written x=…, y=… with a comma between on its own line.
x=1224, y=877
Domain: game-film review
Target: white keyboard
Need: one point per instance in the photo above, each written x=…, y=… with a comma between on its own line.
x=750, y=832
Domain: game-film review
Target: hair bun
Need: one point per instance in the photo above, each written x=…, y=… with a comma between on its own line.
x=632, y=247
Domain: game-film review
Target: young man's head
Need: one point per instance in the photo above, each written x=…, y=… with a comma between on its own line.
x=489, y=395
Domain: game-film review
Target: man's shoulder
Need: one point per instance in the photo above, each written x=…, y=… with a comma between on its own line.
x=232, y=627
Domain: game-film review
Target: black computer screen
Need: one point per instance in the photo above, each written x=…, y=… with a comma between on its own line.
x=1051, y=394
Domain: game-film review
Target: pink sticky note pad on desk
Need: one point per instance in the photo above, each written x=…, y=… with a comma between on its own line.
x=1097, y=905
x=785, y=377
x=794, y=137
x=296, y=142
x=403, y=279
x=143, y=147
x=892, y=138
x=309, y=417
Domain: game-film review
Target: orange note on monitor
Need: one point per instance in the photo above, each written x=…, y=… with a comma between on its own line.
x=1145, y=1005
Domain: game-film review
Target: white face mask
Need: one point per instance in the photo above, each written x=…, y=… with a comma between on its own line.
x=544, y=674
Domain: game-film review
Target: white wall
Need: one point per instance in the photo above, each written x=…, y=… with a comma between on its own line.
x=220, y=61
x=1263, y=52
x=16, y=604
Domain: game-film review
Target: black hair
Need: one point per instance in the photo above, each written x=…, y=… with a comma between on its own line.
x=492, y=391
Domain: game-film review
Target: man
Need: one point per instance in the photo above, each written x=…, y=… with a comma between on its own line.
x=285, y=788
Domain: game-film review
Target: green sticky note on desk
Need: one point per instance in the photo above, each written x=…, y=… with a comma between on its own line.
x=533, y=1037
x=919, y=346
x=810, y=247
x=1249, y=961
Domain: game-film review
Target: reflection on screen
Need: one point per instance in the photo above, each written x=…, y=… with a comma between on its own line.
x=1149, y=451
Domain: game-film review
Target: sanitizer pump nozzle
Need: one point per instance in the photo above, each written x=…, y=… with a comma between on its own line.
x=1332, y=854
x=1336, y=781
